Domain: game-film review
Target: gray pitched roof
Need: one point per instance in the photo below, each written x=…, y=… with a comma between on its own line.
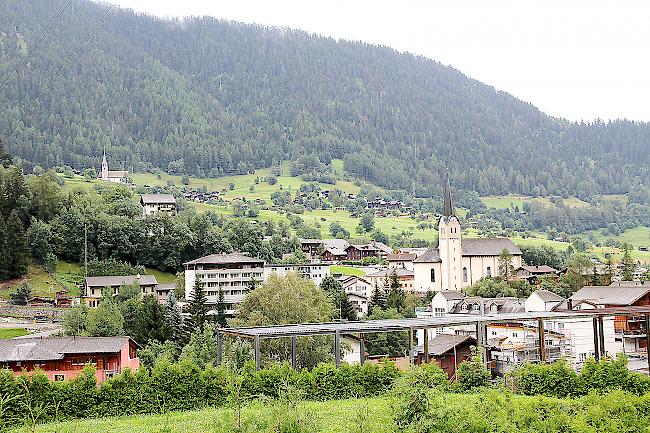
x=46, y=349
x=157, y=198
x=543, y=269
x=121, y=280
x=400, y=272
x=431, y=256
x=405, y=257
x=548, y=296
x=488, y=246
x=443, y=343
x=623, y=295
x=222, y=259
x=451, y=295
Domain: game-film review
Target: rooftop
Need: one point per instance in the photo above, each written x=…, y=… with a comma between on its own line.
x=121, y=280
x=539, y=269
x=47, y=349
x=615, y=294
x=548, y=296
x=474, y=247
x=443, y=343
x=223, y=259
x=404, y=257
x=400, y=272
x=157, y=199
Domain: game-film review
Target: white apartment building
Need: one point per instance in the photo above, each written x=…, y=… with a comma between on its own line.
x=315, y=272
x=230, y=273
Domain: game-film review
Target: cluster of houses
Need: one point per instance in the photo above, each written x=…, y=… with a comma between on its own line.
x=339, y=250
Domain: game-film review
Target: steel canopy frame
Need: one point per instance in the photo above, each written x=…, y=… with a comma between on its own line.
x=392, y=325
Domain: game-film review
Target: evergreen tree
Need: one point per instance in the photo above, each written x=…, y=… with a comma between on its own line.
x=197, y=309
x=628, y=263
x=16, y=246
x=5, y=157
x=395, y=296
x=4, y=253
x=221, y=311
x=346, y=309
x=173, y=317
x=506, y=269
x=151, y=323
x=377, y=300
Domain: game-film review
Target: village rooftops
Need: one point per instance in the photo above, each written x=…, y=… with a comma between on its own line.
x=399, y=272
x=548, y=296
x=157, y=199
x=224, y=259
x=50, y=349
x=617, y=295
x=125, y=280
x=451, y=295
x=403, y=257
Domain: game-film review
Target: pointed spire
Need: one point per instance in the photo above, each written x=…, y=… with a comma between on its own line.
x=448, y=206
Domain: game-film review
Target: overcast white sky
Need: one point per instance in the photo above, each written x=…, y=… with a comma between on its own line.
x=578, y=59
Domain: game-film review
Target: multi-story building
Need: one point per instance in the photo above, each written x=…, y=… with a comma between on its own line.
x=230, y=273
x=64, y=358
x=309, y=271
x=382, y=278
x=155, y=203
x=94, y=286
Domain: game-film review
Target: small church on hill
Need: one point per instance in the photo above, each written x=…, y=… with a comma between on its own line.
x=117, y=176
x=456, y=262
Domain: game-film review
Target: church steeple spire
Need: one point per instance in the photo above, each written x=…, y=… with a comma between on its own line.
x=448, y=206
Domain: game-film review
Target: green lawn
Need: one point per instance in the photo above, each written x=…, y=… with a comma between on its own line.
x=346, y=270
x=7, y=333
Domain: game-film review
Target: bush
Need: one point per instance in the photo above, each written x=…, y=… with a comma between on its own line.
x=554, y=380
x=472, y=373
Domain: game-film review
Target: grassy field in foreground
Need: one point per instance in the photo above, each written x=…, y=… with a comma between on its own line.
x=7, y=333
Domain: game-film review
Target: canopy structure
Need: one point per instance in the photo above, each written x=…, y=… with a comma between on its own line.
x=411, y=325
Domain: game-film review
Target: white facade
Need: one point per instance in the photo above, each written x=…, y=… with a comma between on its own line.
x=315, y=272
x=119, y=176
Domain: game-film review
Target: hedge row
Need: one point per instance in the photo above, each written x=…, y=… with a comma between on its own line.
x=180, y=386
x=560, y=380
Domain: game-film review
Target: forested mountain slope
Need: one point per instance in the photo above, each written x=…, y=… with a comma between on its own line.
x=209, y=97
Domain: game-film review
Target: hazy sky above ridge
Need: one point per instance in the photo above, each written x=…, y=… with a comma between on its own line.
x=579, y=59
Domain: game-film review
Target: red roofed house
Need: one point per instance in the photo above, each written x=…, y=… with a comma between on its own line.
x=64, y=358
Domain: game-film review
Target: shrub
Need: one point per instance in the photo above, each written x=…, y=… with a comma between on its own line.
x=472, y=373
x=554, y=380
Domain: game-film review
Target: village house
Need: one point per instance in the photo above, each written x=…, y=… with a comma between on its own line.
x=115, y=176
x=158, y=203
x=630, y=330
x=230, y=273
x=401, y=260
x=163, y=290
x=458, y=263
x=65, y=357
x=94, y=286
x=357, y=285
x=448, y=350
x=382, y=279
x=533, y=274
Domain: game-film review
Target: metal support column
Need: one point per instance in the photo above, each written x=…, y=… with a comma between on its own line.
x=362, y=350
x=293, y=352
x=337, y=348
x=256, y=343
x=426, y=345
x=219, y=347
x=411, y=346
x=596, y=339
x=542, y=340
x=601, y=336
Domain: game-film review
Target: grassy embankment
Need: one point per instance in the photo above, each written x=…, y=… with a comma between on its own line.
x=7, y=333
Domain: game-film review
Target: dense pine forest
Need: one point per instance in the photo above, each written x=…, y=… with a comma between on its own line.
x=209, y=97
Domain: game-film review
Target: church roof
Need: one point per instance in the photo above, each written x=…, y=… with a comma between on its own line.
x=474, y=247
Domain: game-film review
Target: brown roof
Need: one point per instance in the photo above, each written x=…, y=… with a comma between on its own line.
x=47, y=349
x=222, y=259
x=124, y=280
x=443, y=343
x=157, y=198
x=543, y=269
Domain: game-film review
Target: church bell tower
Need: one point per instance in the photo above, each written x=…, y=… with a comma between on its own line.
x=449, y=242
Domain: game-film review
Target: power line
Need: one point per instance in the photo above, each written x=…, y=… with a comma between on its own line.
x=36, y=44
x=90, y=35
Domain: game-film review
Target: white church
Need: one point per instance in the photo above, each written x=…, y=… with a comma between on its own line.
x=117, y=176
x=457, y=263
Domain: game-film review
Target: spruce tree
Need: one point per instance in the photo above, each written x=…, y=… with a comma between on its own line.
x=221, y=311
x=628, y=263
x=378, y=299
x=395, y=297
x=16, y=246
x=197, y=309
x=4, y=254
x=172, y=317
x=346, y=309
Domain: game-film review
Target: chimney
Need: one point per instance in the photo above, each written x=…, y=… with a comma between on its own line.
x=569, y=304
x=138, y=276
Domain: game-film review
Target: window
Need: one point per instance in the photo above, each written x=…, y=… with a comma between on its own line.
x=439, y=312
x=464, y=275
x=514, y=334
x=110, y=374
x=433, y=275
x=489, y=272
x=59, y=377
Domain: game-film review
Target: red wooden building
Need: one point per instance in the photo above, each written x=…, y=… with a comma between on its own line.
x=64, y=358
